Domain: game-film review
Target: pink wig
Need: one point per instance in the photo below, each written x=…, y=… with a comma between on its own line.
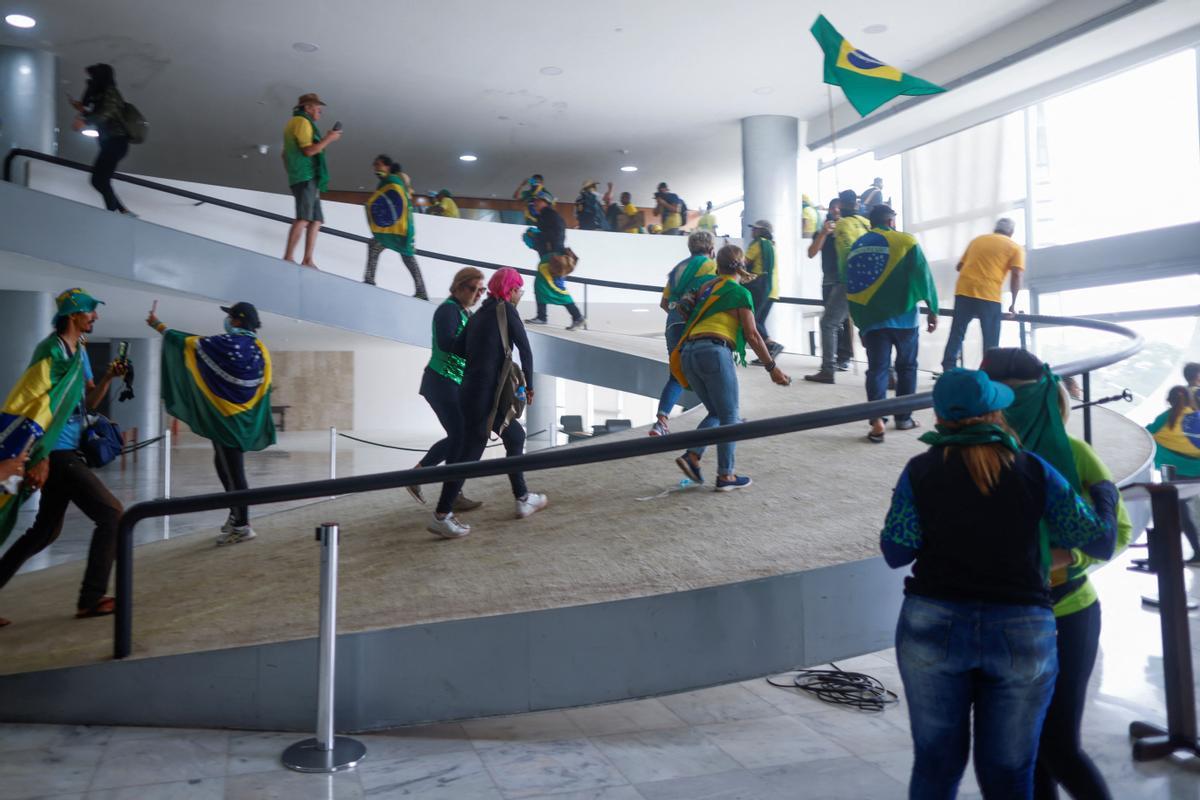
x=504, y=282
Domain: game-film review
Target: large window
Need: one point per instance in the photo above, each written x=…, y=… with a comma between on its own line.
x=1119, y=155
x=858, y=173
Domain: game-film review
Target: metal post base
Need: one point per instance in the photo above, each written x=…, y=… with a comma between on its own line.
x=1152, y=601
x=1151, y=742
x=307, y=755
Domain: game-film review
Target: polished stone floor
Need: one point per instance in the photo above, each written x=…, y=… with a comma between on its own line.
x=742, y=741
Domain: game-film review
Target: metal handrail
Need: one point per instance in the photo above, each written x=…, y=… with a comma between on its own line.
x=551, y=458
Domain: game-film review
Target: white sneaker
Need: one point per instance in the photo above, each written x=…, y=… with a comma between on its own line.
x=236, y=535
x=228, y=526
x=532, y=504
x=448, y=527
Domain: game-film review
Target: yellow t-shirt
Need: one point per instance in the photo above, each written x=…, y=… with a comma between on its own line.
x=756, y=260
x=629, y=210
x=708, y=222
x=298, y=130
x=449, y=207
x=672, y=220
x=987, y=260
x=722, y=323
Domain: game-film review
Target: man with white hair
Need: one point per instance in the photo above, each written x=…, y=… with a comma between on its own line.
x=981, y=272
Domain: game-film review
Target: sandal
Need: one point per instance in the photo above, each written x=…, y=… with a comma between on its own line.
x=103, y=607
x=875, y=438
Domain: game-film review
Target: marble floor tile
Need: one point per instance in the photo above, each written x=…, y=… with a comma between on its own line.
x=415, y=741
x=630, y=717
x=173, y=756
x=287, y=785
x=734, y=785
x=772, y=742
x=533, y=727
x=529, y=769
x=863, y=732
x=786, y=699
x=48, y=771
x=610, y=793
x=833, y=779
x=719, y=704
x=660, y=755
x=257, y=751
x=445, y=776
x=18, y=736
x=195, y=789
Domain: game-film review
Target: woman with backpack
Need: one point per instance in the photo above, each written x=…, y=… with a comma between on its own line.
x=486, y=343
x=976, y=516
x=720, y=323
x=103, y=108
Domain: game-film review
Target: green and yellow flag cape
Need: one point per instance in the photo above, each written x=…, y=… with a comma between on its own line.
x=723, y=293
x=1178, y=446
x=886, y=275
x=390, y=216
x=37, y=408
x=867, y=82
x=220, y=386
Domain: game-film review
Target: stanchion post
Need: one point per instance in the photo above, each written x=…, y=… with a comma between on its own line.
x=326, y=752
x=332, y=453
x=1087, y=408
x=166, y=442
x=1151, y=741
x=585, y=307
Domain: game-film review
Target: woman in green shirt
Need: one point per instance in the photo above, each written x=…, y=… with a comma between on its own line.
x=1038, y=415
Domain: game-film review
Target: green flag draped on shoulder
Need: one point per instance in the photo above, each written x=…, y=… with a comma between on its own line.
x=390, y=216
x=887, y=275
x=220, y=386
x=722, y=293
x=37, y=408
x=867, y=82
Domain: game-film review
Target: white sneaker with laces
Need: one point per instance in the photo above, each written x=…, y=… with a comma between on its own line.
x=448, y=527
x=236, y=535
x=531, y=504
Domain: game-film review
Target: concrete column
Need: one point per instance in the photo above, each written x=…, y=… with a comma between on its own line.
x=144, y=411
x=27, y=100
x=770, y=149
x=543, y=414
x=25, y=319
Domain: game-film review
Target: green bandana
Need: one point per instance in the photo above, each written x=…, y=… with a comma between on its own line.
x=1035, y=417
x=982, y=433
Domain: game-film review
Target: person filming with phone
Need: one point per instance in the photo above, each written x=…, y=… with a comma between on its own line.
x=307, y=175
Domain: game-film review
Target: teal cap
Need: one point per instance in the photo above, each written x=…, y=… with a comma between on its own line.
x=965, y=393
x=75, y=301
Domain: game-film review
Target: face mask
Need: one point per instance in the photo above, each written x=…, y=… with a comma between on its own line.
x=229, y=326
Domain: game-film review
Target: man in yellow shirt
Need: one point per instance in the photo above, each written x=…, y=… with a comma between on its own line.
x=764, y=289
x=708, y=220
x=444, y=205
x=981, y=272
x=304, y=160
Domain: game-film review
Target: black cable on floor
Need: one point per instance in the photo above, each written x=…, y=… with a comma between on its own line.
x=838, y=687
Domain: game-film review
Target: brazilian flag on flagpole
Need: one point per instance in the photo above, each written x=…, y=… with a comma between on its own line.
x=867, y=82
x=220, y=386
x=886, y=276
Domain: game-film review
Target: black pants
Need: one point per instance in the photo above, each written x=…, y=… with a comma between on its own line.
x=442, y=395
x=571, y=308
x=71, y=481
x=473, y=442
x=111, y=152
x=231, y=469
x=1061, y=760
x=759, y=289
x=375, y=249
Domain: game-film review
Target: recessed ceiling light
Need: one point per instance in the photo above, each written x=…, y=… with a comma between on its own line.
x=24, y=69
x=640, y=310
x=91, y=133
x=551, y=70
x=468, y=157
x=764, y=90
x=20, y=21
x=629, y=168
x=876, y=28
x=305, y=47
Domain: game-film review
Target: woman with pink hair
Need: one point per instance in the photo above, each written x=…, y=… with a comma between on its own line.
x=481, y=344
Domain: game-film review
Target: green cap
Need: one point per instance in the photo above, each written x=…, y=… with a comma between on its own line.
x=75, y=301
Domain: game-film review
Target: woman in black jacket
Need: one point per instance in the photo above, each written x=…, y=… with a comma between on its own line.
x=480, y=344
x=101, y=108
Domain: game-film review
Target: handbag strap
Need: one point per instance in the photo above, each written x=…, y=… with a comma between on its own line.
x=502, y=317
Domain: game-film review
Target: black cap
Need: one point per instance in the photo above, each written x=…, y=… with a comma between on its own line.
x=246, y=312
x=1011, y=364
x=848, y=198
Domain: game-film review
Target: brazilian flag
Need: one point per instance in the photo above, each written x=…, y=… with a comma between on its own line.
x=867, y=82
x=37, y=408
x=389, y=215
x=887, y=275
x=220, y=386
x=1178, y=444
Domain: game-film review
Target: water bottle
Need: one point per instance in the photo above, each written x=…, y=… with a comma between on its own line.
x=685, y=483
x=521, y=393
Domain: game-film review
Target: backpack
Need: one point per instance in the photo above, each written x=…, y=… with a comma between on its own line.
x=564, y=263
x=510, y=399
x=683, y=212
x=135, y=124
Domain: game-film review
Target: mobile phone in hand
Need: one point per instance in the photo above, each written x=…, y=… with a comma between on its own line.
x=337, y=126
x=123, y=351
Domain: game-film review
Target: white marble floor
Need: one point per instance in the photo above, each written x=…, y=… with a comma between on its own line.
x=742, y=741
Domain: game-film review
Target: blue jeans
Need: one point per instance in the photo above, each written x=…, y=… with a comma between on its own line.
x=878, y=344
x=999, y=660
x=708, y=366
x=966, y=309
x=672, y=390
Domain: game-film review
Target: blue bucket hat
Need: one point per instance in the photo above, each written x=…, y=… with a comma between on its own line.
x=965, y=393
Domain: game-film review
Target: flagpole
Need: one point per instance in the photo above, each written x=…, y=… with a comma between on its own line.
x=833, y=139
